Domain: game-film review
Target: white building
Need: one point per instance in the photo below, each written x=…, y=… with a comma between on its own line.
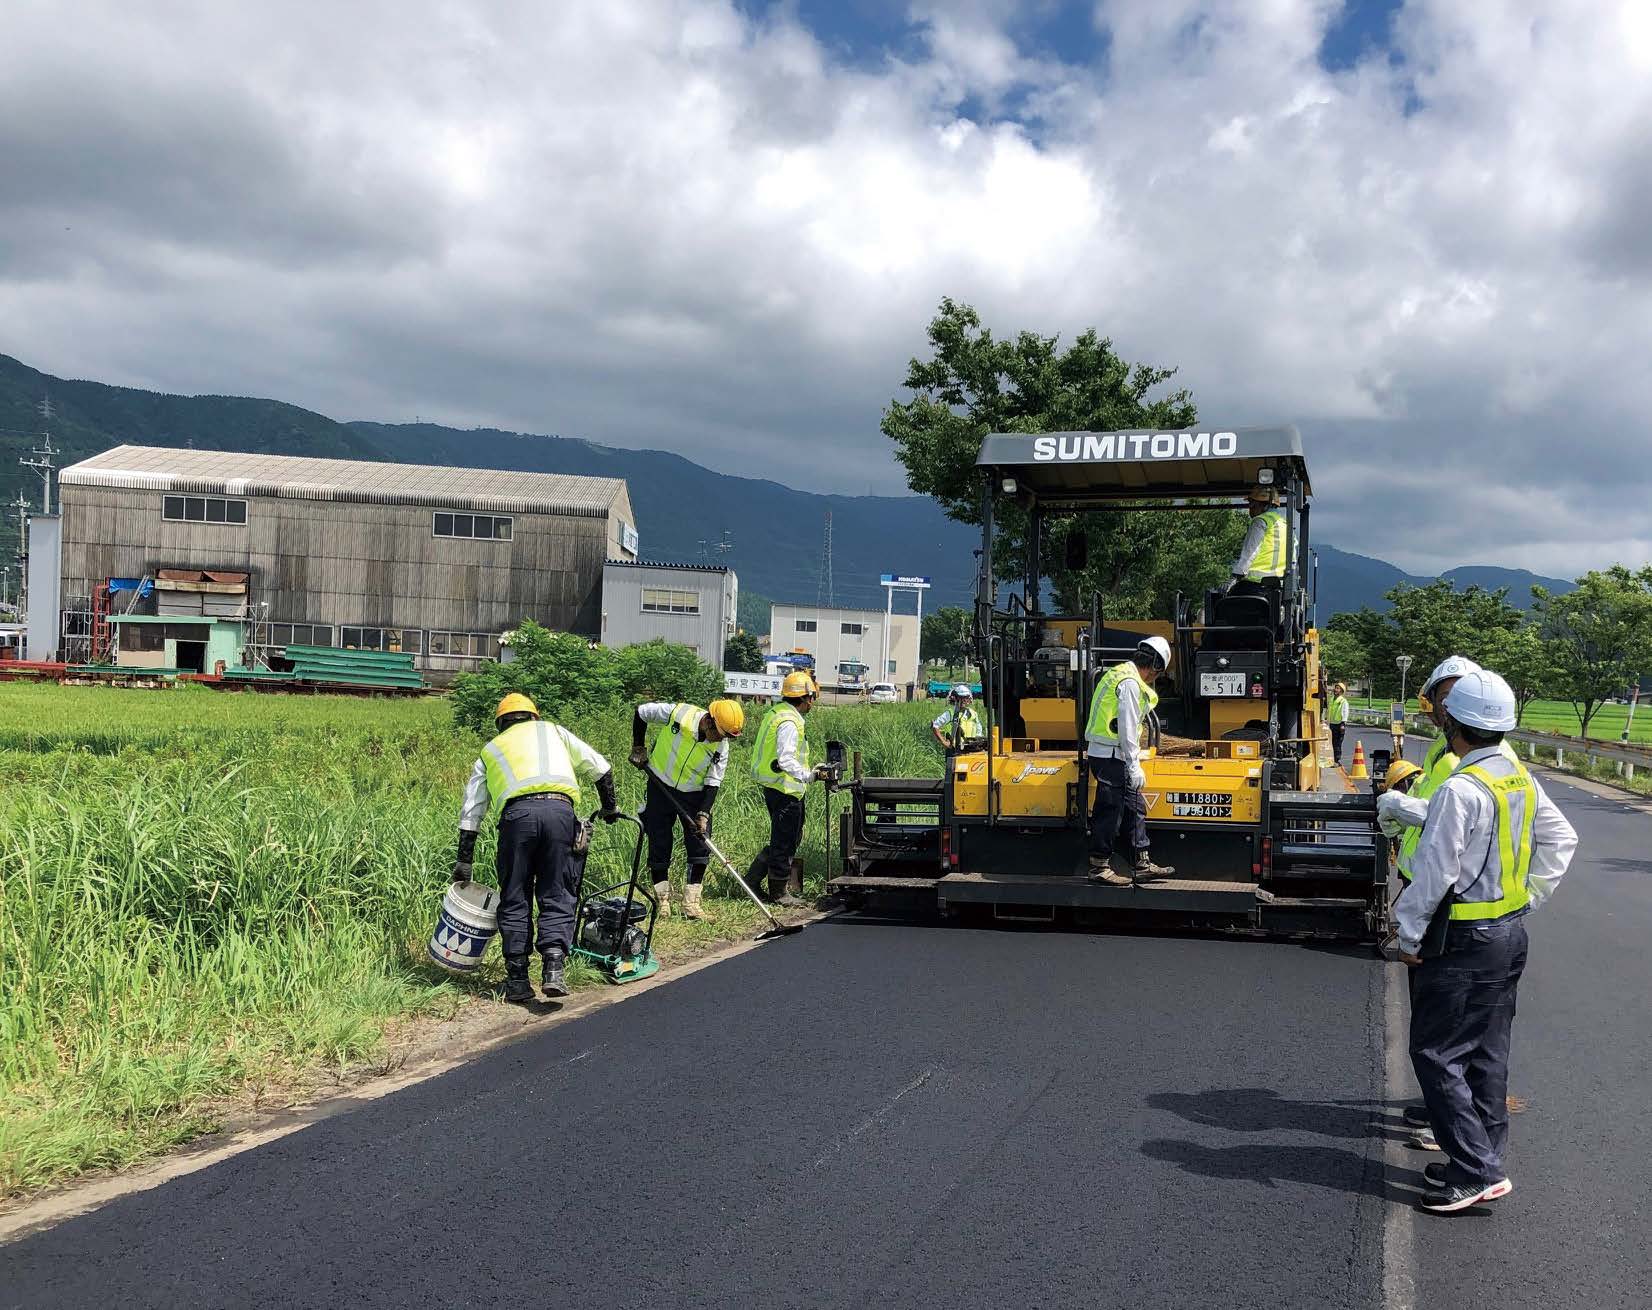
x=694, y=605
x=848, y=645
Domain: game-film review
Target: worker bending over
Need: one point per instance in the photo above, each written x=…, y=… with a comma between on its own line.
x=959, y=721
x=780, y=765
x=1494, y=846
x=685, y=768
x=1336, y=714
x=1119, y=810
x=1262, y=557
x=528, y=772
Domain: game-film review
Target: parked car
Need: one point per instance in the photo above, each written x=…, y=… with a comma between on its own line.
x=882, y=693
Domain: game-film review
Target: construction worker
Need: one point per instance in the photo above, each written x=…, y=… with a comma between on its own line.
x=1494, y=846
x=959, y=721
x=1336, y=714
x=1264, y=554
x=780, y=765
x=1410, y=811
x=529, y=773
x=1401, y=777
x=685, y=769
x=1113, y=730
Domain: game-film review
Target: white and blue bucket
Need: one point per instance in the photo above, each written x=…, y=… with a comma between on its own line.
x=467, y=923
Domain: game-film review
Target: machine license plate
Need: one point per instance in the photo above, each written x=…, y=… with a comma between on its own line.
x=1221, y=684
x=1200, y=804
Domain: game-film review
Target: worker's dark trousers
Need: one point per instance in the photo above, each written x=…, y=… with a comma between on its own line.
x=536, y=862
x=1462, y=1012
x=1118, y=811
x=659, y=818
x=785, y=834
x=1337, y=731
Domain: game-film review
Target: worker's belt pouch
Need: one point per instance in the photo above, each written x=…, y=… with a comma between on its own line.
x=582, y=838
x=1433, y=944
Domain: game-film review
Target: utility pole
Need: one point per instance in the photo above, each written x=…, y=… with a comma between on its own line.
x=21, y=505
x=42, y=463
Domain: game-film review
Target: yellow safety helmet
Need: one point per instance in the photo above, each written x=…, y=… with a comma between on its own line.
x=798, y=685
x=1398, y=772
x=515, y=703
x=728, y=715
x=1340, y=688
x=1262, y=496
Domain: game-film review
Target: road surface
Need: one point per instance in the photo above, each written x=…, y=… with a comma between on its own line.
x=910, y=1114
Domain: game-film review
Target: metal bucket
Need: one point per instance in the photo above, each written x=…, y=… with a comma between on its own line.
x=467, y=923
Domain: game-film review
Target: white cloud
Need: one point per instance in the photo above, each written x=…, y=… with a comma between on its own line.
x=663, y=223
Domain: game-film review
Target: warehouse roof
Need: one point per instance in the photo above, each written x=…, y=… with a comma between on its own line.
x=229, y=473
x=663, y=564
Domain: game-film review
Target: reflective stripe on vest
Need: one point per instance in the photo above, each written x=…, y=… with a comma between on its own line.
x=765, y=752
x=1515, y=795
x=679, y=758
x=969, y=723
x=1339, y=711
x=1103, y=723
x=1269, y=559
x=528, y=758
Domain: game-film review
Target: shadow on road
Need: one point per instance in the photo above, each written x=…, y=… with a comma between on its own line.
x=1260, y=1109
x=1333, y=1167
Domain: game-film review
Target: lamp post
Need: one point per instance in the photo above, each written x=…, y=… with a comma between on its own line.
x=1404, y=661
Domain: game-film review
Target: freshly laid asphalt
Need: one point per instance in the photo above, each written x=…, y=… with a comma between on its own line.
x=911, y=1114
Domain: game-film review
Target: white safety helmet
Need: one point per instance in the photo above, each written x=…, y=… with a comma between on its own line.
x=1160, y=648
x=962, y=692
x=1481, y=699
x=1453, y=666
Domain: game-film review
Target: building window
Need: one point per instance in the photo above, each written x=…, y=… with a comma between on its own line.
x=464, y=645
x=300, y=634
x=481, y=527
x=204, y=509
x=805, y=625
x=851, y=629
x=665, y=600
x=391, y=639
x=891, y=667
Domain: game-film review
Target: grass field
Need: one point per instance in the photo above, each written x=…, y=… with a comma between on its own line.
x=203, y=893
x=1558, y=716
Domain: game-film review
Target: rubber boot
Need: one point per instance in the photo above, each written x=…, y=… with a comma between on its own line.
x=691, y=904
x=1145, y=870
x=791, y=891
x=518, y=990
x=662, y=893
x=551, y=981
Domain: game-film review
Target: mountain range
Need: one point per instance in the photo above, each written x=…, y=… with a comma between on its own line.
x=773, y=536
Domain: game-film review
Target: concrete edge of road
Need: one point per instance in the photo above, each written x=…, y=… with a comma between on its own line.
x=82, y=1196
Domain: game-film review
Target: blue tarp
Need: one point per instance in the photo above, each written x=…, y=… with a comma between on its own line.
x=143, y=586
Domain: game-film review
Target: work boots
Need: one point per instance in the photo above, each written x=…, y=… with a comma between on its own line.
x=662, y=894
x=691, y=903
x=1145, y=870
x=551, y=981
x=1102, y=870
x=518, y=990
x=788, y=891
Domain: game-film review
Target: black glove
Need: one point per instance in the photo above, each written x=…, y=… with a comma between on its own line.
x=467, y=852
x=608, y=798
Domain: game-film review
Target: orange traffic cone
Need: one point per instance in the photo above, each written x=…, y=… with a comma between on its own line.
x=1359, y=770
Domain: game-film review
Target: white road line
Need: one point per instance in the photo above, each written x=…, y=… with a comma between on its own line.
x=1399, y=1225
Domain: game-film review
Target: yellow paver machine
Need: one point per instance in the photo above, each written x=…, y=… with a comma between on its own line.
x=1264, y=839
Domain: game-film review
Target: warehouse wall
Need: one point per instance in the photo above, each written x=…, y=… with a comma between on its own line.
x=625, y=622
x=344, y=563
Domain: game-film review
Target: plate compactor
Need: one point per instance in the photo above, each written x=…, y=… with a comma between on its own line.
x=612, y=931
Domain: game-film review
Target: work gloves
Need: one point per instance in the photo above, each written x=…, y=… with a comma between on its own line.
x=608, y=798
x=467, y=852
x=1138, y=779
x=638, y=758
x=702, y=821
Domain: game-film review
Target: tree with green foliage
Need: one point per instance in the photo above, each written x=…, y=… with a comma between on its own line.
x=742, y=653
x=1599, y=636
x=975, y=384
x=946, y=637
x=1525, y=660
x=1427, y=623
x=1342, y=655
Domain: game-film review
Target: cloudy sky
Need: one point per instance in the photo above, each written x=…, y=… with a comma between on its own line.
x=1421, y=230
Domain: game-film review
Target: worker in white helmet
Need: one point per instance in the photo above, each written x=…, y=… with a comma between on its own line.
x=1494, y=846
x=1122, y=698
x=960, y=721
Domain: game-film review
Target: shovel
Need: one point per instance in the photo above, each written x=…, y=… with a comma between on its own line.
x=776, y=928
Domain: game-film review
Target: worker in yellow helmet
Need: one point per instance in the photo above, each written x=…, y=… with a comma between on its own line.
x=780, y=766
x=529, y=773
x=685, y=768
x=1264, y=554
x=1336, y=715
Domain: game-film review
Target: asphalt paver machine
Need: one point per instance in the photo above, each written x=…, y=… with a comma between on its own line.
x=1264, y=838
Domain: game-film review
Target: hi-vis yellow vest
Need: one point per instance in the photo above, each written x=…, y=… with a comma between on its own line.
x=1103, y=723
x=1269, y=559
x=765, y=752
x=1515, y=795
x=679, y=758
x=1438, y=765
x=528, y=758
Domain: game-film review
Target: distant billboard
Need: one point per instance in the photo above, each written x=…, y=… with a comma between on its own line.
x=904, y=580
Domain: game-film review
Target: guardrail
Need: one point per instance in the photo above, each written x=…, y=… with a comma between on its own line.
x=1625, y=758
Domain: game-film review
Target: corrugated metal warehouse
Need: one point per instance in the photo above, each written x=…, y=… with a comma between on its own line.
x=695, y=605
x=435, y=561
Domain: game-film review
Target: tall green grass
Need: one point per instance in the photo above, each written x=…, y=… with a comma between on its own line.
x=203, y=893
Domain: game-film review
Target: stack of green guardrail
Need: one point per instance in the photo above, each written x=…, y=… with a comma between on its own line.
x=353, y=668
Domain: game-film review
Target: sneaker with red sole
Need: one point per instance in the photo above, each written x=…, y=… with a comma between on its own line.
x=1460, y=1196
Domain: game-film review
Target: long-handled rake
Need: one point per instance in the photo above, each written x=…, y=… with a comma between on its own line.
x=776, y=928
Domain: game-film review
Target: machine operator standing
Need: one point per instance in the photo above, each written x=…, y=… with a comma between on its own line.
x=780, y=766
x=685, y=765
x=960, y=721
x=1494, y=846
x=1119, y=810
x=529, y=773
